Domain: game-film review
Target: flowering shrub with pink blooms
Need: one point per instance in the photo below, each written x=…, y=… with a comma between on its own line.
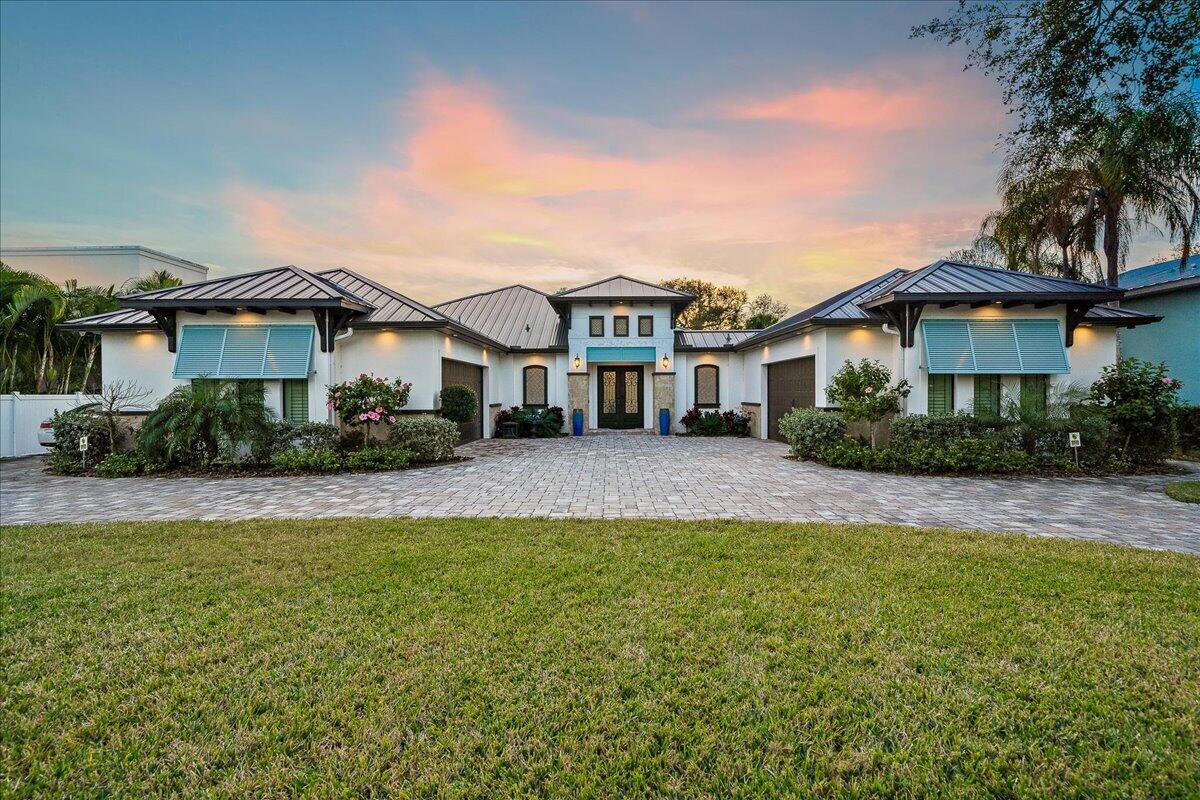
x=367, y=400
x=1141, y=399
x=865, y=391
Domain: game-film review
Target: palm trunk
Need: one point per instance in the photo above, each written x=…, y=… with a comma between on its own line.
x=1112, y=242
x=41, y=377
x=87, y=367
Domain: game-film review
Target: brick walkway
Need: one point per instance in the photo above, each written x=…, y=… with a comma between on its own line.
x=634, y=476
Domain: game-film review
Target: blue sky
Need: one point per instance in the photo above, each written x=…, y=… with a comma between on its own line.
x=443, y=148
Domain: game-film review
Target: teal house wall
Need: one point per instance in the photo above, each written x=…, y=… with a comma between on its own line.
x=1172, y=291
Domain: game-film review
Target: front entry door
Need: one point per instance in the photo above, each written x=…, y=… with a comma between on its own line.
x=620, y=393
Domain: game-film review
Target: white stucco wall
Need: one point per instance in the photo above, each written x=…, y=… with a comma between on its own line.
x=99, y=266
x=579, y=340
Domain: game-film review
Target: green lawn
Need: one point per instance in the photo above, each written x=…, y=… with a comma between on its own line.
x=1184, y=491
x=623, y=659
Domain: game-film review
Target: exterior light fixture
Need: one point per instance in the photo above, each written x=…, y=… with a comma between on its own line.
x=577, y=362
x=666, y=363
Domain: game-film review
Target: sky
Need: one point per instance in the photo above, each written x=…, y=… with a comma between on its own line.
x=444, y=149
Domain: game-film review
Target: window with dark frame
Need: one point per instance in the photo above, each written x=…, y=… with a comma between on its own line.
x=534, y=386
x=620, y=326
x=595, y=326
x=646, y=325
x=706, y=379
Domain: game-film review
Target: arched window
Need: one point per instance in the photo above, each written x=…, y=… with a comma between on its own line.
x=707, y=393
x=535, y=386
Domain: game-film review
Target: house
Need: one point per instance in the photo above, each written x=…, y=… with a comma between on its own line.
x=964, y=336
x=100, y=266
x=1170, y=291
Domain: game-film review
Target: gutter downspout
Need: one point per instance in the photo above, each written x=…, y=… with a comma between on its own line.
x=900, y=370
x=329, y=364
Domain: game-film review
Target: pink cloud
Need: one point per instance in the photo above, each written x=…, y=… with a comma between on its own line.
x=473, y=196
x=844, y=106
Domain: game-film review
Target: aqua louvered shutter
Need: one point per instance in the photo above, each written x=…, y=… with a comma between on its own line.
x=244, y=351
x=987, y=395
x=994, y=346
x=941, y=394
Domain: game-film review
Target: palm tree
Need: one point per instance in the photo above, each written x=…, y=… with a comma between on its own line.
x=159, y=279
x=1134, y=168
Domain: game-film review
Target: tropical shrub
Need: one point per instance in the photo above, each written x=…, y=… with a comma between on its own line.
x=538, y=423
x=63, y=462
x=1141, y=399
x=459, y=403
x=736, y=423
x=1187, y=425
x=715, y=423
x=428, y=438
x=378, y=458
x=978, y=455
x=316, y=460
x=69, y=426
x=305, y=436
x=204, y=420
x=121, y=465
x=367, y=400
x=809, y=431
x=933, y=429
x=865, y=391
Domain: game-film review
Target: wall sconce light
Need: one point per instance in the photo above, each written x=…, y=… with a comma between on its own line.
x=666, y=362
x=577, y=362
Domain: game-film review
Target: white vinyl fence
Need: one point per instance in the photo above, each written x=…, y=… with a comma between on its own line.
x=21, y=414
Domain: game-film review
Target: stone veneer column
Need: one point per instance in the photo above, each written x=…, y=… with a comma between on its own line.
x=664, y=397
x=754, y=411
x=577, y=397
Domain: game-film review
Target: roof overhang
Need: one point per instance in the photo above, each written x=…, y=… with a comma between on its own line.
x=984, y=298
x=1166, y=287
x=251, y=303
x=808, y=326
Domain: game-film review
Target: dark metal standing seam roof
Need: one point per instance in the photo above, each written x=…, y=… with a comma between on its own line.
x=621, y=286
x=391, y=308
x=280, y=285
x=955, y=278
x=122, y=319
x=710, y=340
x=520, y=317
x=1112, y=315
x=840, y=309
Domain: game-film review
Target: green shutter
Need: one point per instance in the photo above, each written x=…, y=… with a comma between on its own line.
x=1033, y=392
x=941, y=394
x=295, y=401
x=987, y=395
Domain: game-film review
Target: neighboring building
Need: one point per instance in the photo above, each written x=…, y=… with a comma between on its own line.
x=100, y=266
x=964, y=336
x=1172, y=293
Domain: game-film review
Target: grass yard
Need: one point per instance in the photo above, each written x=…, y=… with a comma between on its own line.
x=1184, y=491
x=613, y=659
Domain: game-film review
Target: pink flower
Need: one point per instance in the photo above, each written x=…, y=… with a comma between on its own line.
x=391, y=418
x=362, y=417
x=329, y=406
x=1166, y=380
x=378, y=409
x=870, y=389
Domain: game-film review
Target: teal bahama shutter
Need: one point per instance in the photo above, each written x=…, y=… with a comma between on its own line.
x=941, y=394
x=994, y=346
x=295, y=401
x=987, y=396
x=244, y=351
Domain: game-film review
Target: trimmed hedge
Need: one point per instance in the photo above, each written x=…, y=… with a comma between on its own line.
x=429, y=438
x=810, y=431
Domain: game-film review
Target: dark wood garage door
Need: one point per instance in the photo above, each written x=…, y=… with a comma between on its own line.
x=459, y=373
x=790, y=384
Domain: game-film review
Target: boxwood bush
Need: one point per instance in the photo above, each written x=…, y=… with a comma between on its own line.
x=429, y=438
x=810, y=431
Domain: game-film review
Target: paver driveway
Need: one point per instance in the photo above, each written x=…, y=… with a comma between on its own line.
x=635, y=476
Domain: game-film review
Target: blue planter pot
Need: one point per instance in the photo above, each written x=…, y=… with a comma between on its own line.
x=577, y=422
x=664, y=422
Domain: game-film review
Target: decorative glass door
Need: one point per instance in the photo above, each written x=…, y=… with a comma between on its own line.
x=620, y=397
